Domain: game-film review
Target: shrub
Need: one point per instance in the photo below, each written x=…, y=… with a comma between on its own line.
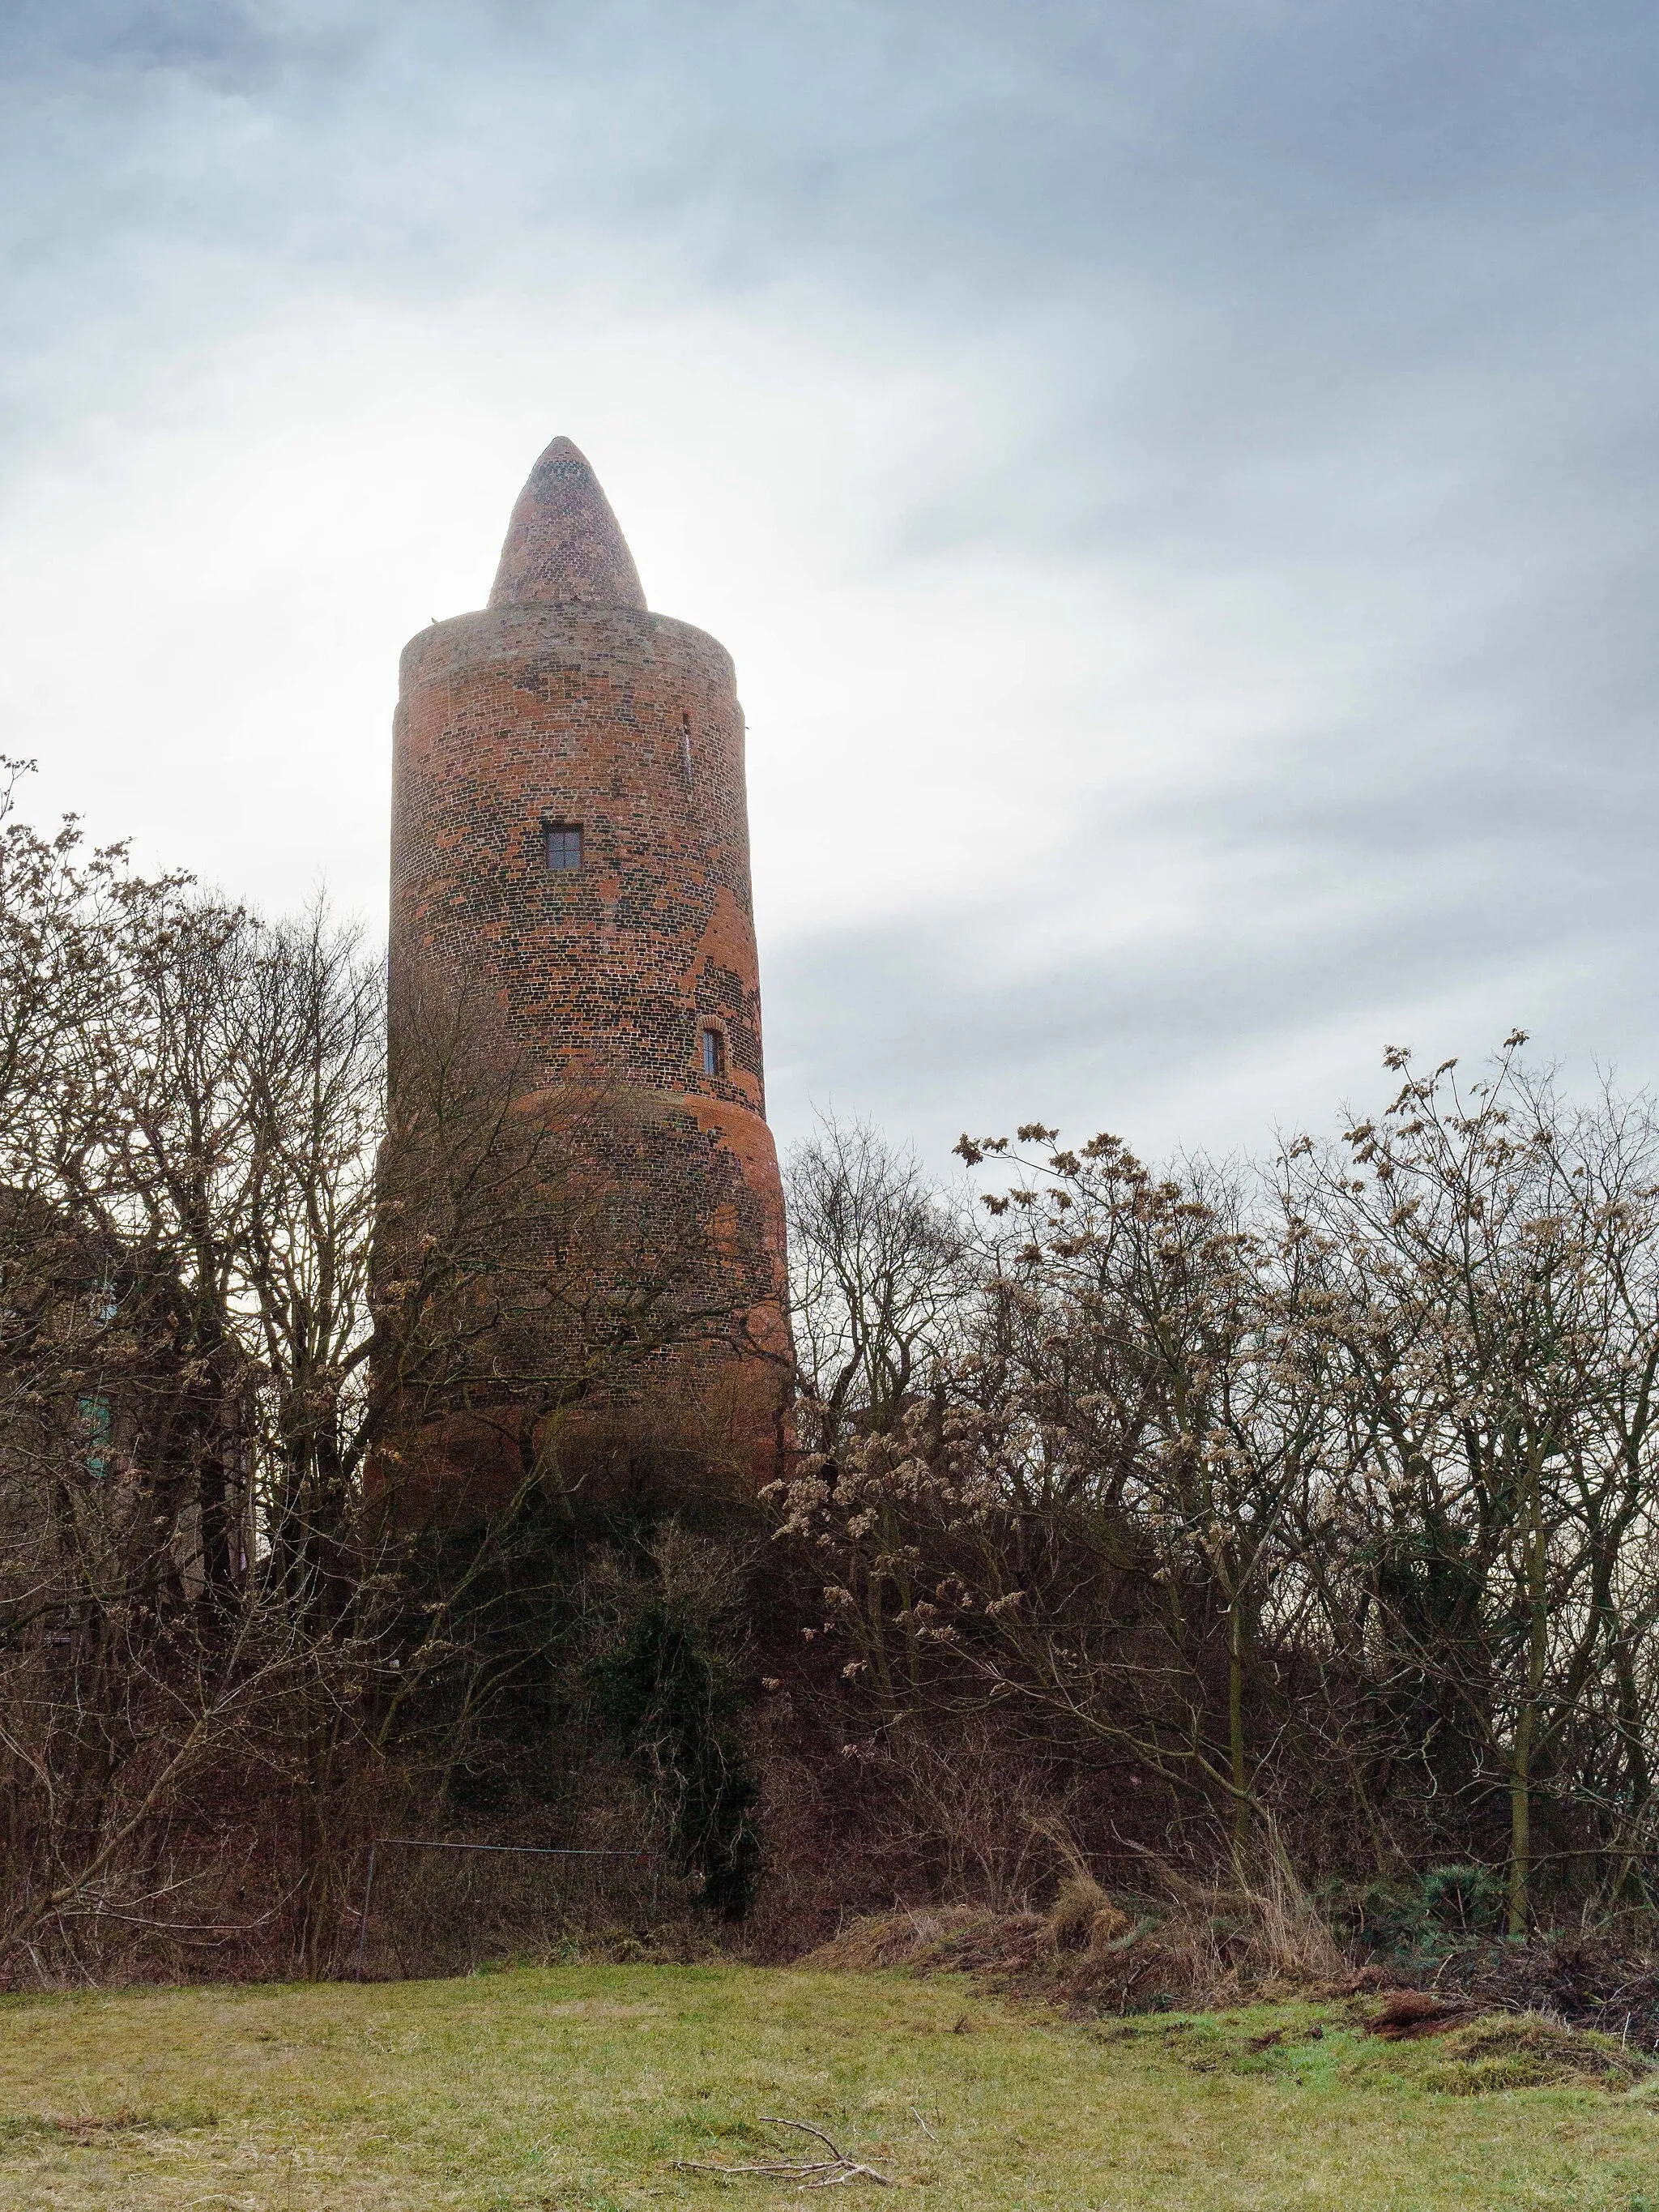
x=673, y=1708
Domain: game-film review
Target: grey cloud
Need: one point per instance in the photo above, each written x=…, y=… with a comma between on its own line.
x=1343, y=311
x=1497, y=860
x=997, y=139
x=940, y=1023
x=113, y=40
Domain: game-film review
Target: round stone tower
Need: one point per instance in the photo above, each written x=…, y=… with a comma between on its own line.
x=570, y=840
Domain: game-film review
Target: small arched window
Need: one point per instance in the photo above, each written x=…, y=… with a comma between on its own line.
x=713, y=1052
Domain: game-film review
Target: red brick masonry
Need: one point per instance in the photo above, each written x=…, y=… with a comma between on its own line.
x=566, y=704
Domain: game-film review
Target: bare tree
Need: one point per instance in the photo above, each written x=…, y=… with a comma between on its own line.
x=1492, y=1266
x=1325, y=1503
x=877, y=1261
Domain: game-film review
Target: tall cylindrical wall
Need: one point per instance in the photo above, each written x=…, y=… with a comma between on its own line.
x=623, y=724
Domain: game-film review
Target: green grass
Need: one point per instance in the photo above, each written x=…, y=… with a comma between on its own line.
x=578, y=2088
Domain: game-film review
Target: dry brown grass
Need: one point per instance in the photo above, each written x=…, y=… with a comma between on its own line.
x=1196, y=1948
x=1083, y=1917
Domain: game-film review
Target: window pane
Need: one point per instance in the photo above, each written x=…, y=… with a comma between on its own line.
x=564, y=846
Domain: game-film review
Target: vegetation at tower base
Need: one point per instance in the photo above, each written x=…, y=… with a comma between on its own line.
x=1177, y=1572
x=673, y=1702
x=235, y=1282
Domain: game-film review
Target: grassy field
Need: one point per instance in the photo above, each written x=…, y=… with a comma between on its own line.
x=579, y=2088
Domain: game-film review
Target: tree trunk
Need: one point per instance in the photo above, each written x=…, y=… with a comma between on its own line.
x=1236, y=1729
x=1520, y=1916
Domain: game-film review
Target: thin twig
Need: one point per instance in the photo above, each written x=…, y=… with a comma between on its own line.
x=781, y=2166
x=807, y=2129
x=832, y=2171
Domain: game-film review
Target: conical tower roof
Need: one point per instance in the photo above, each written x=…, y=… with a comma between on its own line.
x=563, y=542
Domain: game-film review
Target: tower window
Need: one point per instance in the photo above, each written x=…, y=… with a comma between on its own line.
x=713, y=1052
x=564, y=846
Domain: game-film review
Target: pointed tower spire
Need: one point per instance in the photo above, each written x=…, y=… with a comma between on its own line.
x=563, y=542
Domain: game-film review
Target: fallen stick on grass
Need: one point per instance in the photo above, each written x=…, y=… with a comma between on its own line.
x=832, y=2171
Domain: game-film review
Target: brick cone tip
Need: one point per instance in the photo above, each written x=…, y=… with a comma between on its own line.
x=563, y=544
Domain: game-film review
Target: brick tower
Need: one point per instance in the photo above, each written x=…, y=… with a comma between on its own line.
x=570, y=842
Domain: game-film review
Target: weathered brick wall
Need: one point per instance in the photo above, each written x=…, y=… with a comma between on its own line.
x=627, y=724
x=547, y=710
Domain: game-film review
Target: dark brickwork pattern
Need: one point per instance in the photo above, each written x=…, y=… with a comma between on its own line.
x=628, y=724
x=562, y=542
x=560, y=705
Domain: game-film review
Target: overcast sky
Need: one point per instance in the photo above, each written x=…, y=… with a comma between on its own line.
x=1179, y=479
